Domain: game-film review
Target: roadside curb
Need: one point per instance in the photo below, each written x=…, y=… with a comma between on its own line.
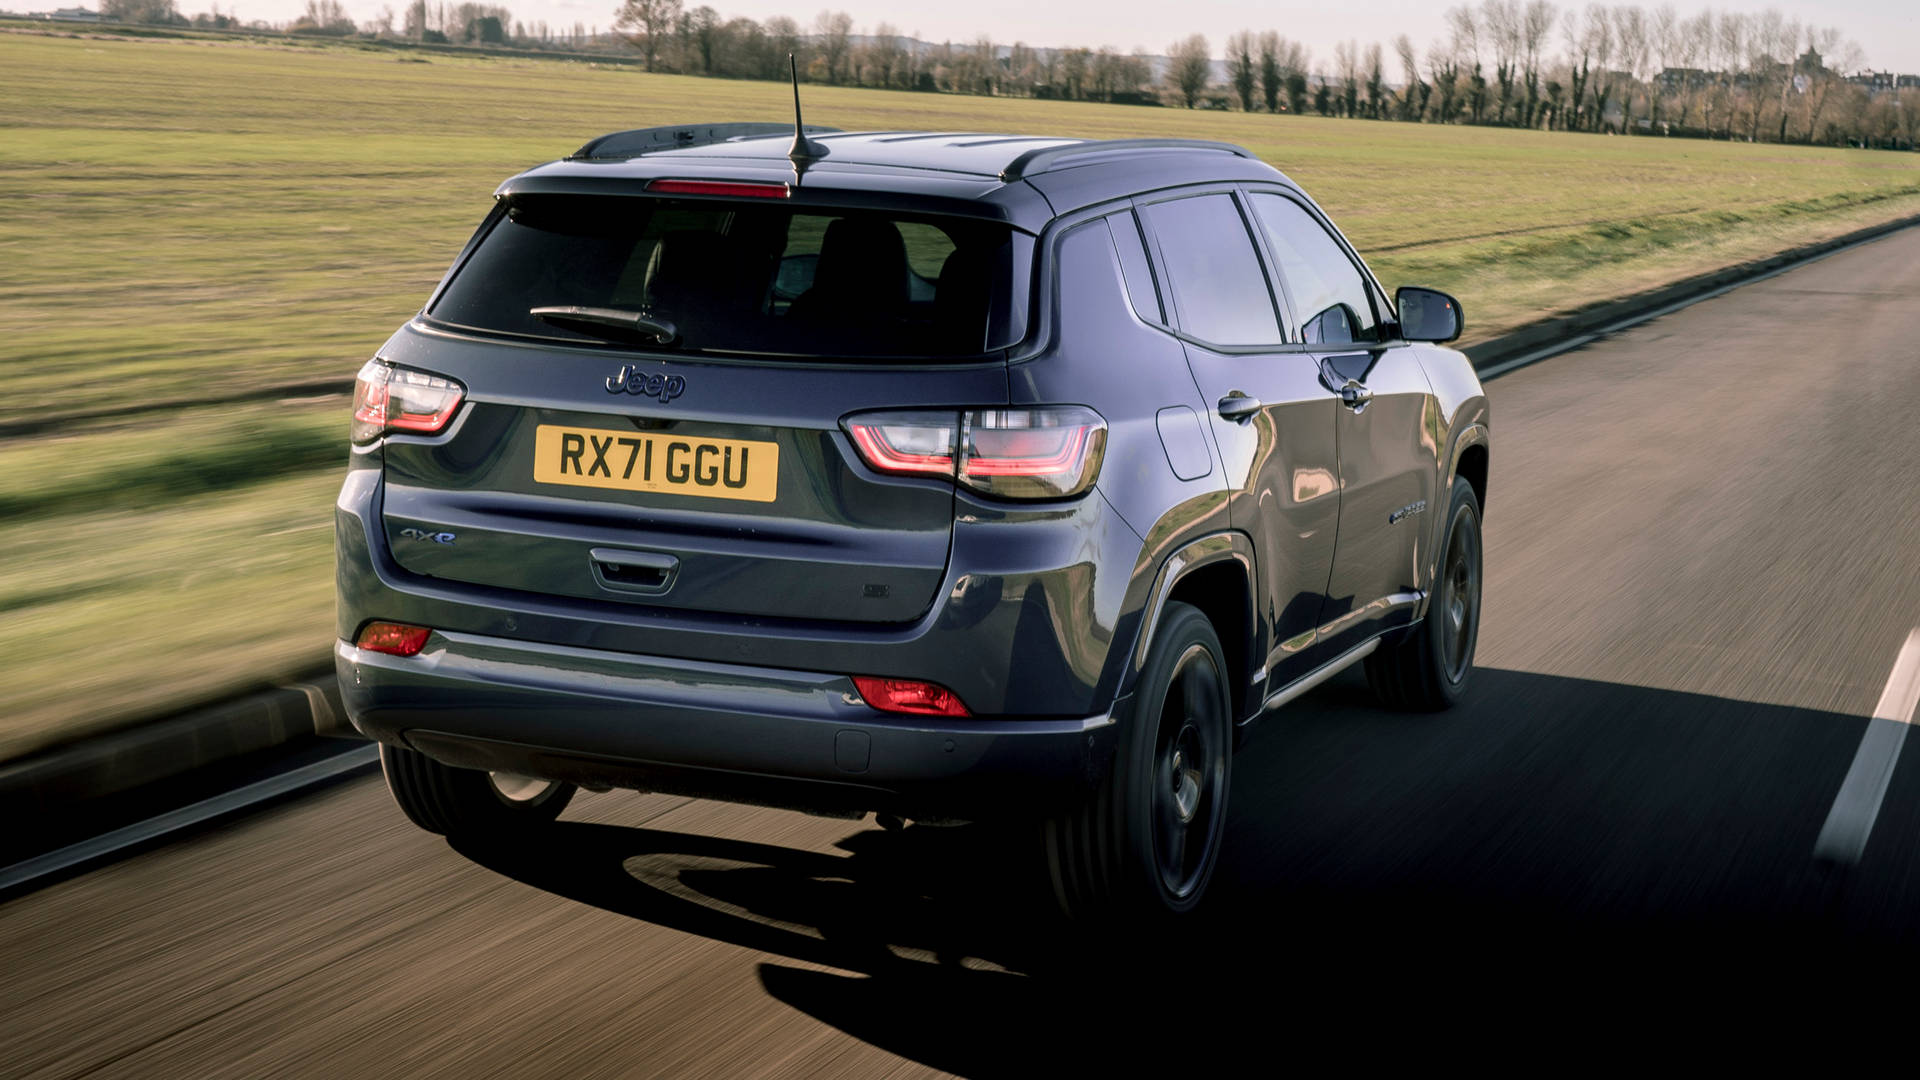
x=133, y=757
x=1557, y=334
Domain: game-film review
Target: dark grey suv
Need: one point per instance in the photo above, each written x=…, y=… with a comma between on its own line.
x=945, y=476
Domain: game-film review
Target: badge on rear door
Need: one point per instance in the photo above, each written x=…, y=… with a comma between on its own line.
x=631, y=380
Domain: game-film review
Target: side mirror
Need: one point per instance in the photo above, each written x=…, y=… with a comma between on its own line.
x=1427, y=315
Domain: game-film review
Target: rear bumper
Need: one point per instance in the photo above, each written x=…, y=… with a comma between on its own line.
x=727, y=731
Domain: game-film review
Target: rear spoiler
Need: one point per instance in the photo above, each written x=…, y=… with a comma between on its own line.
x=622, y=145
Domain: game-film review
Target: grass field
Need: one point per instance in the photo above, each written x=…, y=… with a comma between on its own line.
x=185, y=219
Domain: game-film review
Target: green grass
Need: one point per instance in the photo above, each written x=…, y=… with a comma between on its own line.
x=114, y=614
x=185, y=216
x=192, y=218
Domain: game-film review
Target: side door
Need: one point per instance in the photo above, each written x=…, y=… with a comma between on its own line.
x=1271, y=417
x=1387, y=423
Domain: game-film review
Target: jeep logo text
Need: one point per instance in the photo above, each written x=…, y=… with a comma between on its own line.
x=631, y=380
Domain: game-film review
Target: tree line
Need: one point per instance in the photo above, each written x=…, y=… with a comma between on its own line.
x=1616, y=68
x=1624, y=69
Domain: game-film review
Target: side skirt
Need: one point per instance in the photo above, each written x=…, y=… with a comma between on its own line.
x=1311, y=679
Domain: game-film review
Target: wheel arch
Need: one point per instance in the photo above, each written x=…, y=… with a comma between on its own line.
x=1214, y=573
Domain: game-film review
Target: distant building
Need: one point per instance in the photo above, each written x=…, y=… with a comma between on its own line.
x=1884, y=82
x=1673, y=80
x=73, y=14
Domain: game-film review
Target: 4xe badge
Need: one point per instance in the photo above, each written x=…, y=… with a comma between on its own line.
x=631, y=380
x=427, y=535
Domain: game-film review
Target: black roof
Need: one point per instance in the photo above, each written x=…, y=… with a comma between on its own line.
x=978, y=173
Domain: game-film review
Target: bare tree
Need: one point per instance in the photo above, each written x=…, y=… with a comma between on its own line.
x=884, y=54
x=1630, y=35
x=1443, y=65
x=1837, y=59
x=1189, y=67
x=1500, y=22
x=1240, y=48
x=831, y=29
x=1730, y=40
x=1535, y=25
x=1346, y=68
x=646, y=23
x=139, y=11
x=1695, y=50
x=1272, y=81
x=1464, y=27
x=1074, y=72
x=1376, y=83
x=1663, y=43
x=1415, y=90
x=1598, y=30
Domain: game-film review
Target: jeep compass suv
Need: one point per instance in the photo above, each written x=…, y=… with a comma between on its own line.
x=943, y=476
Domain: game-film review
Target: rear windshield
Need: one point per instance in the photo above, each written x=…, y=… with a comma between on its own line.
x=746, y=277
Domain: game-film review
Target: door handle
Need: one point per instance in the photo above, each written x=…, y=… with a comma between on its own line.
x=1237, y=406
x=1354, y=396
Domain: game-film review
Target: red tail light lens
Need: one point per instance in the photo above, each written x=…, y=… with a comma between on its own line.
x=388, y=399
x=909, y=696
x=395, y=639
x=1052, y=452
x=911, y=443
x=1045, y=453
x=733, y=189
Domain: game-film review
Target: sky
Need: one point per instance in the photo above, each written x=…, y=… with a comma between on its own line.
x=1888, y=30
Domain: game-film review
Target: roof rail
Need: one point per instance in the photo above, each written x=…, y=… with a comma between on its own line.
x=621, y=145
x=1038, y=161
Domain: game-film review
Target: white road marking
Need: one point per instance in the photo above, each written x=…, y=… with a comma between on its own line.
x=1844, y=836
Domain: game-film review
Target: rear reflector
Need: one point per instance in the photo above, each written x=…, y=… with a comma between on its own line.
x=909, y=696
x=396, y=639
x=732, y=189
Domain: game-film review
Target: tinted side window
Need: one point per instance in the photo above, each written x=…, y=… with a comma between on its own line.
x=1134, y=266
x=1330, y=296
x=1209, y=264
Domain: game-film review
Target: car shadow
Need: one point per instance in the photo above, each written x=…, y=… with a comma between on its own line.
x=1541, y=845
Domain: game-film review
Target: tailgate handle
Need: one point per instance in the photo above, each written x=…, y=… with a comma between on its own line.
x=633, y=571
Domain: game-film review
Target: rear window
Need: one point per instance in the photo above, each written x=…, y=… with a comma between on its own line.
x=747, y=277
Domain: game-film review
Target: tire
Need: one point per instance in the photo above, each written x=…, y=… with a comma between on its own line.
x=468, y=802
x=1145, y=842
x=1428, y=670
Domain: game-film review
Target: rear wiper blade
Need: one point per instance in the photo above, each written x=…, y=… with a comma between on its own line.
x=662, y=331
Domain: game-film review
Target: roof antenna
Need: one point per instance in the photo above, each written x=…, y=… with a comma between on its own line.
x=804, y=151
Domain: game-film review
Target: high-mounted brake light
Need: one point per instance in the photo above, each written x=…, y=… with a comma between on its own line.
x=392, y=638
x=1050, y=452
x=732, y=189
x=388, y=399
x=910, y=696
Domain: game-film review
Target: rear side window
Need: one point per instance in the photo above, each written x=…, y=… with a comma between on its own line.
x=745, y=277
x=1329, y=295
x=1134, y=265
x=1213, y=271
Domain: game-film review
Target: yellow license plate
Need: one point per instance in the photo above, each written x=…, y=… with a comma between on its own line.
x=644, y=461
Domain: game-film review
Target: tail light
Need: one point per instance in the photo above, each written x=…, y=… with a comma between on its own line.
x=910, y=696
x=388, y=399
x=392, y=638
x=1049, y=452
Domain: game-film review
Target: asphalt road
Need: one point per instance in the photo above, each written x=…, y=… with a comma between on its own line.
x=1701, y=562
